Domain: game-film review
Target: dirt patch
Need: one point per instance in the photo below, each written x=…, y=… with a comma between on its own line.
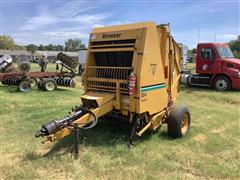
x=234, y=102
x=9, y=159
x=2, y=130
x=42, y=151
x=56, y=174
x=200, y=138
x=218, y=130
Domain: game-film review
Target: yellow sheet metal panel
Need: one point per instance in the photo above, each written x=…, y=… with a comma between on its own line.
x=143, y=51
x=120, y=34
x=119, y=28
x=99, y=97
x=152, y=81
x=154, y=61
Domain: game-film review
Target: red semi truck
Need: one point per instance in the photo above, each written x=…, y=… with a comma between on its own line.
x=216, y=67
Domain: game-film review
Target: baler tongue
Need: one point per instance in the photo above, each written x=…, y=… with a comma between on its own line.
x=95, y=104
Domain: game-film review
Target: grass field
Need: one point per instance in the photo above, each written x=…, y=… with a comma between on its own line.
x=211, y=150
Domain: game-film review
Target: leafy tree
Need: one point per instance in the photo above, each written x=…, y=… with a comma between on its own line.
x=32, y=48
x=6, y=42
x=235, y=47
x=50, y=47
x=18, y=47
x=41, y=48
x=191, y=52
x=74, y=44
x=59, y=48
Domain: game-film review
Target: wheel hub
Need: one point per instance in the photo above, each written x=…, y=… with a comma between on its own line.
x=184, y=126
x=25, y=86
x=50, y=86
x=33, y=82
x=221, y=84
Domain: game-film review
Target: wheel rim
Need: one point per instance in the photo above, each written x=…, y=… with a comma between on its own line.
x=25, y=86
x=221, y=84
x=33, y=82
x=50, y=86
x=185, y=123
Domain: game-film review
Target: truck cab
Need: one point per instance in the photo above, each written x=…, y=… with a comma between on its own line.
x=216, y=67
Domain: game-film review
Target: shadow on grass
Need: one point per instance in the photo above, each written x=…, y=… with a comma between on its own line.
x=61, y=89
x=10, y=89
x=15, y=89
x=190, y=89
x=107, y=133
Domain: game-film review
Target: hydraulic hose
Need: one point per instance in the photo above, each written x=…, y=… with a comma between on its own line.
x=92, y=123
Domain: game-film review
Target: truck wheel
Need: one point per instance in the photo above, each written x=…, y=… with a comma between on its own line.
x=33, y=81
x=222, y=83
x=178, y=122
x=25, y=86
x=49, y=84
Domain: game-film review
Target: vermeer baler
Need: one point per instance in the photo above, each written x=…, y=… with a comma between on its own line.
x=132, y=71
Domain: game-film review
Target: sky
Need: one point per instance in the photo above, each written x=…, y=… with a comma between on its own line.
x=54, y=21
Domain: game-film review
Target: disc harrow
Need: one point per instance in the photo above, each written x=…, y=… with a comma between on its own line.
x=11, y=81
x=66, y=82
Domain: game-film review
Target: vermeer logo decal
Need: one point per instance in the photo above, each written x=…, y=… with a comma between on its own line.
x=154, y=68
x=111, y=35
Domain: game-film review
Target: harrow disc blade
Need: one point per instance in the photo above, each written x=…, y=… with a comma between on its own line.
x=73, y=83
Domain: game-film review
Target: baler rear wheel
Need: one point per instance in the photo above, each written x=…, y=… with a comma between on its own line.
x=49, y=84
x=179, y=122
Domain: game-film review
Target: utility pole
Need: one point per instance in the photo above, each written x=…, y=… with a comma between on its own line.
x=215, y=37
x=198, y=35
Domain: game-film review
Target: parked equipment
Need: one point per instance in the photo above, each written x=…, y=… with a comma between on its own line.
x=47, y=81
x=6, y=64
x=216, y=67
x=70, y=62
x=132, y=71
x=24, y=64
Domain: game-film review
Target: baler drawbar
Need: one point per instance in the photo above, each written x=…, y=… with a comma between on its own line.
x=66, y=122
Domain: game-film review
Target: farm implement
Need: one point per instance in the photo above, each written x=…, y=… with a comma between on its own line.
x=132, y=71
x=47, y=81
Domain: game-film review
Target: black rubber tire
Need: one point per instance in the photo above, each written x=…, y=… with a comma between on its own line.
x=49, y=84
x=222, y=83
x=25, y=86
x=39, y=84
x=175, y=121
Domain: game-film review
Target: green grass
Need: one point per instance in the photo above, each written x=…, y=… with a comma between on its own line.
x=209, y=151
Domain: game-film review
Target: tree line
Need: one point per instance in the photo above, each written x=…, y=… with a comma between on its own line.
x=73, y=45
x=6, y=42
x=234, y=45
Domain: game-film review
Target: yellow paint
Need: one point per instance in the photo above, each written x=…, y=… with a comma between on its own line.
x=154, y=52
